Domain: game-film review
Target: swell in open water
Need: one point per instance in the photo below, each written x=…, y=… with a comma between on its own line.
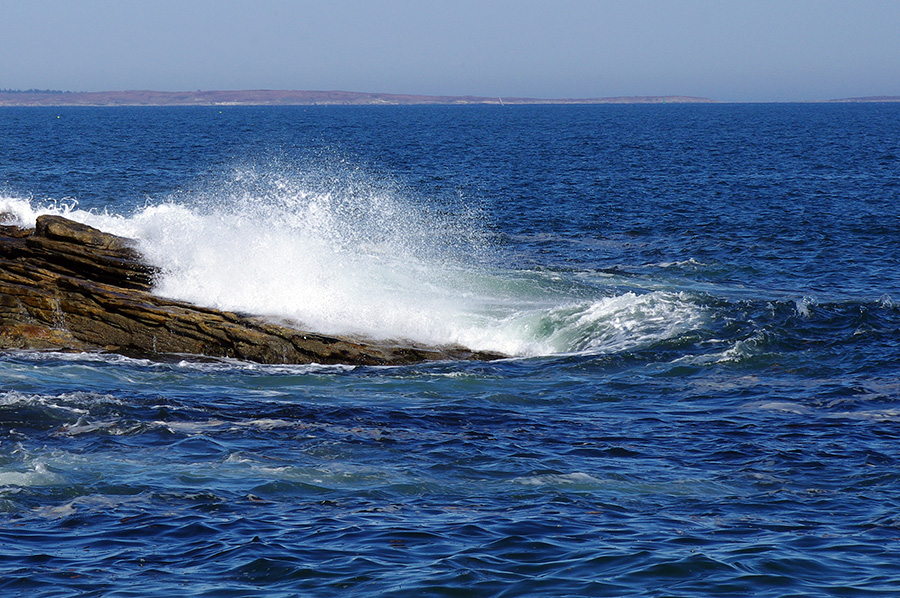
x=702, y=397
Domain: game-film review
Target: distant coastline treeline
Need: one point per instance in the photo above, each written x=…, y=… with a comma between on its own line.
x=270, y=97
x=35, y=91
x=251, y=97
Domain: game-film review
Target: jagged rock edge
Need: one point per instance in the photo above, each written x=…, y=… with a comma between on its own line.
x=67, y=286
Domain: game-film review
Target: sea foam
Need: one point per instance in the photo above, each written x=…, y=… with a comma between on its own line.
x=344, y=253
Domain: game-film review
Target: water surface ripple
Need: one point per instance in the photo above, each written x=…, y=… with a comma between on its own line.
x=700, y=300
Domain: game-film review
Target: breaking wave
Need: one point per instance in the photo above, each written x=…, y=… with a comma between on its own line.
x=341, y=252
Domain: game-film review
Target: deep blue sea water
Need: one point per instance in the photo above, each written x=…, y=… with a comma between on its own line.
x=699, y=302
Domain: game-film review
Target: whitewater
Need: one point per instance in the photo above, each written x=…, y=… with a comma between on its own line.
x=343, y=253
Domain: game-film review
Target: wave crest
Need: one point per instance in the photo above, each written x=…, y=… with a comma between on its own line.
x=342, y=252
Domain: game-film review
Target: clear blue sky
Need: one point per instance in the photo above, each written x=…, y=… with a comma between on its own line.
x=738, y=50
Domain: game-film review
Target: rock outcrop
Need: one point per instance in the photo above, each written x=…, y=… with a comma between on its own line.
x=65, y=285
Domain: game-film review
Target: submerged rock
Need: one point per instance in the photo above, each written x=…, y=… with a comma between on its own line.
x=66, y=285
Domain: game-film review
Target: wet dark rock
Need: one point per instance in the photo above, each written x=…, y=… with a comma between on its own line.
x=66, y=285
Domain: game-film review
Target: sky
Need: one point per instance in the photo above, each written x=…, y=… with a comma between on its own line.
x=727, y=50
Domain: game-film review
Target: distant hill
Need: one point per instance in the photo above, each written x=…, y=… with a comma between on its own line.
x=265, y=97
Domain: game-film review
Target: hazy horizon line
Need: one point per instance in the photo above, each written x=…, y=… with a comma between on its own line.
x=336, y=96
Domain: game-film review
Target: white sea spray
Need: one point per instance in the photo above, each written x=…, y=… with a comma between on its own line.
x=346, y=253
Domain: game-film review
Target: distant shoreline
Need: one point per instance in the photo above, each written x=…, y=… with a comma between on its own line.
x=293, y=98
x=264, y=97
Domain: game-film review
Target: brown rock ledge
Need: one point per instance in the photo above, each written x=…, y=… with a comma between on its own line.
x=68, y=286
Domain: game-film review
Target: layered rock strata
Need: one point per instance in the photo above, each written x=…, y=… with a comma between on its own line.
x=68, y=286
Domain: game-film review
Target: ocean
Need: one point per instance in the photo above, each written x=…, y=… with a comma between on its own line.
x=698, y=302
